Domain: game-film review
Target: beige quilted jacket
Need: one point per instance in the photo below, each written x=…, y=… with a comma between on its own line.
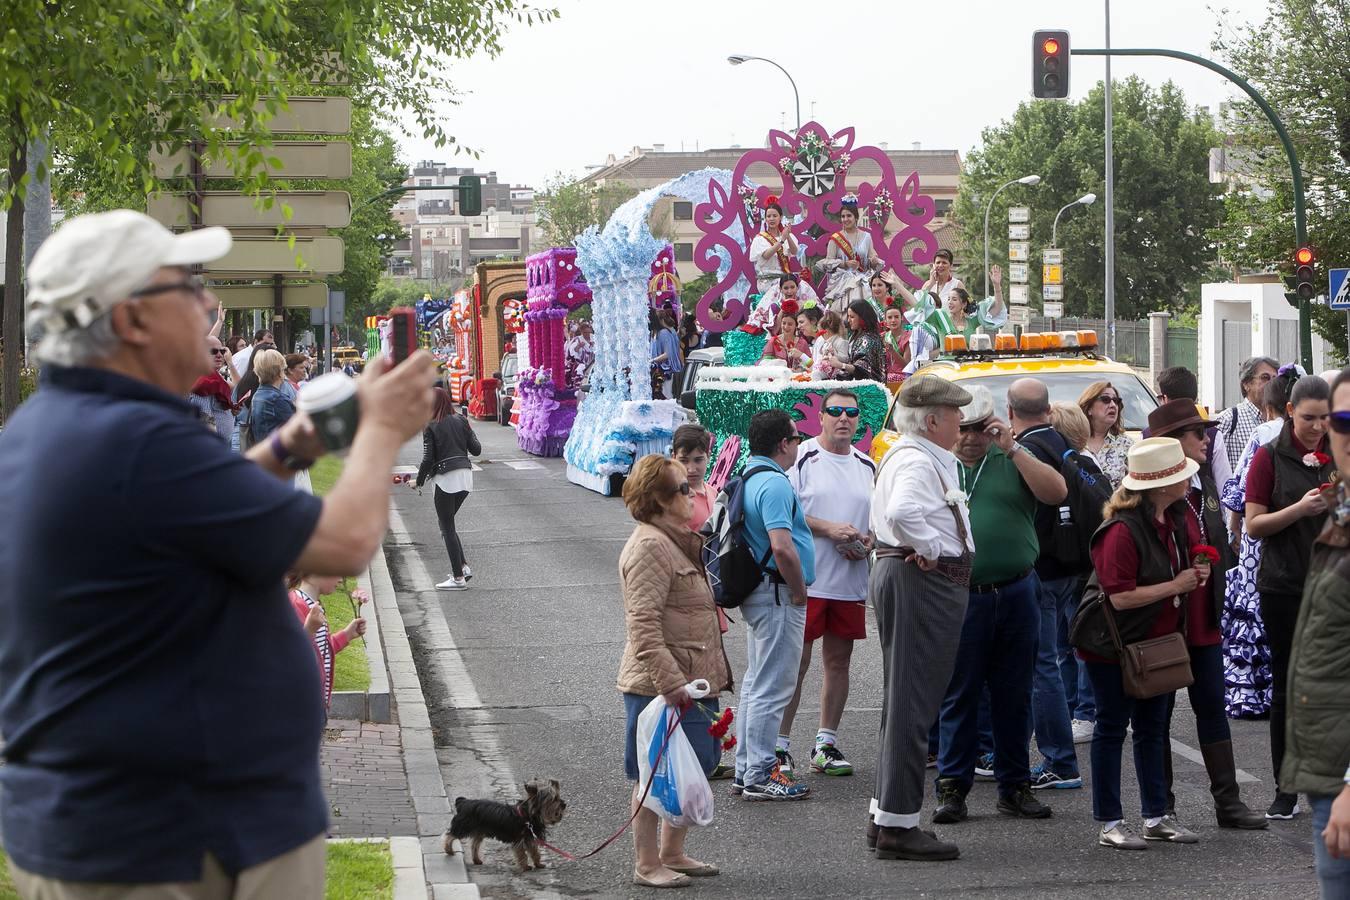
x=671, y=621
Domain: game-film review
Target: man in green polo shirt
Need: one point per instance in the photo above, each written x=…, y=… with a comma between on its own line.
x=1002, y=481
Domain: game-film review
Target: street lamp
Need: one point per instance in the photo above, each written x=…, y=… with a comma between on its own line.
x=1085, y=200
x=1025, y=179
x=737, y=58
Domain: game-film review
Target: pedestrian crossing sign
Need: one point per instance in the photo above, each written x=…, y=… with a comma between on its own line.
x=1340, y=289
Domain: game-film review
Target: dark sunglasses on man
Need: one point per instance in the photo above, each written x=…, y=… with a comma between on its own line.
x=837, y=411
x=1340, y=422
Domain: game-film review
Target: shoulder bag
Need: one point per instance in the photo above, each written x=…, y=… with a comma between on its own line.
x=1150, y=667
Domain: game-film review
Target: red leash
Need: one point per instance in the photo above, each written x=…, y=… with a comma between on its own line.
x=645, y=791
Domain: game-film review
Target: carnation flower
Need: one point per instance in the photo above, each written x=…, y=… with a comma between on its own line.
x=1315, y=460
x=954, y=496
x=1204, y=554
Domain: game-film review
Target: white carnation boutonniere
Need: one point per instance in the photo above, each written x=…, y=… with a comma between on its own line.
x=954, y=497
x=1315, y=460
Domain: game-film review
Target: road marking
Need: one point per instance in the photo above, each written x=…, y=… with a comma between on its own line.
x=519, y=464
x=1194, y=756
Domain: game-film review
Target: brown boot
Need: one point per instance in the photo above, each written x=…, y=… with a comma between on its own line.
x=913, y=843
x=1228, y=806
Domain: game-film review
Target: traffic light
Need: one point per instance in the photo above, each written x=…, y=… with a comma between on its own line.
x=470, y=195
x=1050, y=64
x=1302, y=284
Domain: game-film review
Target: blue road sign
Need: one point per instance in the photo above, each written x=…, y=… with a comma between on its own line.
x=1340, y=289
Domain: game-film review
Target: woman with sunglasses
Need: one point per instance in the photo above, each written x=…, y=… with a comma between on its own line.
x=1108, y=444
x=672, y=639
x=213, y=395
x=1286, y=507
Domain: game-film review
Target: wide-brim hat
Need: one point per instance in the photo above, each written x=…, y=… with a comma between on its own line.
x=1157, y=462
x=922, y=390
x=1174, y=416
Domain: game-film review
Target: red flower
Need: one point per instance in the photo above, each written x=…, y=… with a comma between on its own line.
x=729, y=744
x=771, y=200
x=1203, y=553
x=1322, y=458
x=722, y=725
x=791, y=307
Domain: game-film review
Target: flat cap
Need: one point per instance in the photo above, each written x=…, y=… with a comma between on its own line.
x=932, y=390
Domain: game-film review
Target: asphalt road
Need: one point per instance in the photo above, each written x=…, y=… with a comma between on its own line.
x=523, y=686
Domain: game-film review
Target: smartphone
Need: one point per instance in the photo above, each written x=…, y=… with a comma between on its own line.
x=402, y=334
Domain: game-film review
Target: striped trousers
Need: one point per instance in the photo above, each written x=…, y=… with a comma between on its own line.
x=919, y=617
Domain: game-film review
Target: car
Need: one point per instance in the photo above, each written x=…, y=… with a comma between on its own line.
x=693, y=363
x=506, y=387
x=1066, y=373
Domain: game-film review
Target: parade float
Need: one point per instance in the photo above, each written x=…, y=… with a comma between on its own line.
x=547, y=400
x=498, y=297
x=817, y=176
x=452, y=340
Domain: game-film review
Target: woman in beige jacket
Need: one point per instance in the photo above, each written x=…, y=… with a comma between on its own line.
x=672, y=639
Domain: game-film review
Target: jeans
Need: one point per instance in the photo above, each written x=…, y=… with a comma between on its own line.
x=694, y=723
x=1077, y=686
x=1049, y=708
x=1332, y=874
x=1115, y=710
x=774, y=634
x=997, y=650
x=446, y=507
x=1207, y=695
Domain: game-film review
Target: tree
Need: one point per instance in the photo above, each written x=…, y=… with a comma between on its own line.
x=119, y=78
x=1297, y=58
x=566, y=208
x=1164, y=202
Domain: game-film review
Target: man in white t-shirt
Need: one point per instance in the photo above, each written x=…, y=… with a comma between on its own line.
x=243, y=360
x=833, y=480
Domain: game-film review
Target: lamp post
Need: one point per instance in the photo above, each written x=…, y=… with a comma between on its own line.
x=1025, y=179
x=737, y=58
x=1085, y=200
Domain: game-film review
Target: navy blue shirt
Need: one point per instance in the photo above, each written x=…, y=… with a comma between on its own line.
x=158, y=697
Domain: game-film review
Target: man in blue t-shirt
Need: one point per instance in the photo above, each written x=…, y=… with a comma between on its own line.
x=775, y=612
x=160, y=702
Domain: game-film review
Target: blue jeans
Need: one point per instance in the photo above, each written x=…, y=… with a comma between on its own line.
x=774, y=633
x=1332, y=874
x=997, y=650
x=1115, y=710
x=694, y=723
x=1077, y=686
x=1049, y=708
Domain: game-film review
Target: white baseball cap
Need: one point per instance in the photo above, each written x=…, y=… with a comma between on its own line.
x=94, y=262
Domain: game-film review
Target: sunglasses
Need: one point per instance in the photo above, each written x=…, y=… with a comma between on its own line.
x=1114, y=401
x=837, y=411
x=972, y=426
x=1340, y=422
x=682, y=488
x=216, y=351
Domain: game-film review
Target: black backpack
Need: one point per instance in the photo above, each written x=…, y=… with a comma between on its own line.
x=733, y=568
x=1079, y=515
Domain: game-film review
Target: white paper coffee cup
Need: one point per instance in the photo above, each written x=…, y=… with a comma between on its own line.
x=331, y=404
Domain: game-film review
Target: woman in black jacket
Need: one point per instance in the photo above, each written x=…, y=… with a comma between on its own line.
x=446, y=444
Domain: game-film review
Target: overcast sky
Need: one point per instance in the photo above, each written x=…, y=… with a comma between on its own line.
x=611, y=74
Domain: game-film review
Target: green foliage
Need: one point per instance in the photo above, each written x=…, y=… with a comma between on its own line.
x=1164, y=202
x=1297, y=59
x=566, y=208
x=693, y=291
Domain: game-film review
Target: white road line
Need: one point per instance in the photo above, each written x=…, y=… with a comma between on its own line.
x=1194, y=756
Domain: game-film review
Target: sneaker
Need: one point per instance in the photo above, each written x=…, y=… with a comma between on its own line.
x=951, y=803
x=1170, y=830
x=453, y=584
x=468, y=573
x=1022, y=804
x=984, y=766
x=777, y=787
x=786, y=765
x=736, y=786
x=1082, y=731
x=1042, y=778
x=1120, y=838
x=830, y=761
x=1284, y=807
x=722, y=772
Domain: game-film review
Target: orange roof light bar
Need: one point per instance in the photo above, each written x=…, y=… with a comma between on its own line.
x=954, y=343
x=1004, y=342
x=1087, y=338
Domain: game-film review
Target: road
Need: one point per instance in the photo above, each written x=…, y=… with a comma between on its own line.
x=522, y=685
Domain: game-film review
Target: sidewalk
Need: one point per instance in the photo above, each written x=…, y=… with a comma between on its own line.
x=364, y=780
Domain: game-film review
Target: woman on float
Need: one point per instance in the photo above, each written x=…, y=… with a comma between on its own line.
x=941, y=281
x=773, y=249
x=955, y=315
x=866, y=358
x=787, y=344
x=850, y=259
x=895, y=340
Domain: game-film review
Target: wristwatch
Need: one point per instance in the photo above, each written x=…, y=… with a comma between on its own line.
x=285, y=457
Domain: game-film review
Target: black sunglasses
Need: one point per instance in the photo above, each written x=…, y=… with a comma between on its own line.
x=1340, y=422
x=1113, y=400
x=837, y=411
x=682, y=488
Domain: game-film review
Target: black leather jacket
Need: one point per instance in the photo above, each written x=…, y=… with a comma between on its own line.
x=446, y=446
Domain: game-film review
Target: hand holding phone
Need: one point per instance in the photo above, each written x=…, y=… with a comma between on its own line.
x=402, y=334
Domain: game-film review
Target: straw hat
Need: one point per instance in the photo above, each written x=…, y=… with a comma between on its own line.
x=1157, y=462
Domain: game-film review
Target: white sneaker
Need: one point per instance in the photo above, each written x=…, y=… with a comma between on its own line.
x=1082, y=731
x=453, y=584
x=468, y=573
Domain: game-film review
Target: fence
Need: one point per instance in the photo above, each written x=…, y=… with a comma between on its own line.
x=1132, y=340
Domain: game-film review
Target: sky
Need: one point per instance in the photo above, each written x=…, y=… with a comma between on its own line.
x=608, y=75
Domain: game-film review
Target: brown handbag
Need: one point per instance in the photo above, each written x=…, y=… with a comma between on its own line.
x=1150, y=667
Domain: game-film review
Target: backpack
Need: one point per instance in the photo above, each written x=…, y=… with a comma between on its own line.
x=1079, y=515
x=733, y=568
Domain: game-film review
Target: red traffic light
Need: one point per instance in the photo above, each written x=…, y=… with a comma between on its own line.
x=1304, y=256
x=1050, y=47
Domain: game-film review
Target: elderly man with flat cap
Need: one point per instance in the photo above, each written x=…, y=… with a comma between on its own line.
x=918, y=589
x=160, y=702
x=1204, y=638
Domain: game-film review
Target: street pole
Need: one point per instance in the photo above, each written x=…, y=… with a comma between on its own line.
x=1084, y=200
x=1110, y=311
x=1300, y=205
x=737, y=58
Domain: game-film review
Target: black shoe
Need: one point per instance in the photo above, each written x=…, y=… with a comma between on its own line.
x=1022, y=803
x=951, y=803
x=873, y=829
x=1284, y=807
x=913, y=843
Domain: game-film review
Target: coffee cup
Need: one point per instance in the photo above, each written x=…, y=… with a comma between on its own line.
x=330, y=402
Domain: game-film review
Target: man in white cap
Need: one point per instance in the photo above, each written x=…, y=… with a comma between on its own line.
x=159, y=699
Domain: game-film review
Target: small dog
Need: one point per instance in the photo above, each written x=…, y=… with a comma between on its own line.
x=521, y=825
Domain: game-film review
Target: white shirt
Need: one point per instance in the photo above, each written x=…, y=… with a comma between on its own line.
x=910, y=509
x=836, y=487
x=241, y=360
x=454, y=481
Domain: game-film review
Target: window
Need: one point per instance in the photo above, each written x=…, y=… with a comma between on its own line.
x=684, y=210
x=684, y=252
x=424, y=182
x=942, y=207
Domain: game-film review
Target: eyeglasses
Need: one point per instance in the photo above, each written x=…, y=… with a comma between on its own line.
x=195, y=285
x=1114, y=401
x=1340, y=422
x=837, y=411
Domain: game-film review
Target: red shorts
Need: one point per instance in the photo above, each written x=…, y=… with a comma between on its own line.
x=842, y=618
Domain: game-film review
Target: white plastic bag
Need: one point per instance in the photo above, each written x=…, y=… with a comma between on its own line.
x=680, y=792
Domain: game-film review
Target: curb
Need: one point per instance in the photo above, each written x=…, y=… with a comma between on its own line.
x=447, y=878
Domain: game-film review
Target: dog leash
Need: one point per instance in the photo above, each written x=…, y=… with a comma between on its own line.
x=616, y=835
